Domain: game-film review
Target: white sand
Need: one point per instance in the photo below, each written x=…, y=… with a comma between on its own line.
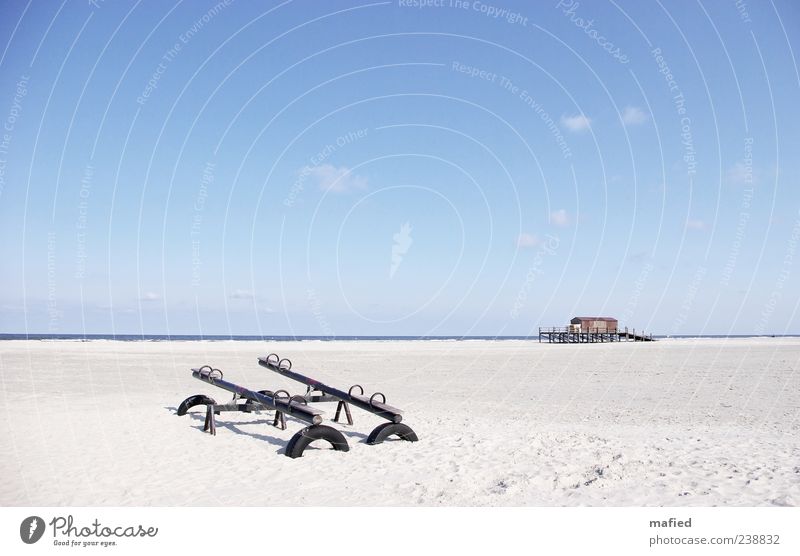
x=678, y=422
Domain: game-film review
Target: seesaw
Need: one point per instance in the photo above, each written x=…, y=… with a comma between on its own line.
x=394, y=427
x=248, y=401
x=283, y=404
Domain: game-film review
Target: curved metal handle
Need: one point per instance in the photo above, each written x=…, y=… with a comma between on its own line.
x=271, y=361
x=372, y=397
x=298, y=398
x=285, y=364
x=277, y=395
x=208, y=371
x=350, y=392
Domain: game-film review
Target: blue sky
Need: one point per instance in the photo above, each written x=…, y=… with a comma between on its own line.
x=433, y=168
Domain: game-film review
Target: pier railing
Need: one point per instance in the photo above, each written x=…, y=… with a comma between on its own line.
x=570, y=335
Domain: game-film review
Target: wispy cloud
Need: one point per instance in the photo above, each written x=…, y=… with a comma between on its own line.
x=242, y=294
x=576, y=123
x=695, y=224
x=337, y=180
x=631, y=115
x=150, y=296
x=247, y=295
x=527, y=241
x=741, y=174
x=402, y=241
x=560, y=218
x=118, y=308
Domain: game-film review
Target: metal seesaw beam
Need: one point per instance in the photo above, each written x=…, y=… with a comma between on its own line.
x=381, y=409
x=287, y=406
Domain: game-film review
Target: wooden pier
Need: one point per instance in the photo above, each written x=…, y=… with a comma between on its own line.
x=567, y=335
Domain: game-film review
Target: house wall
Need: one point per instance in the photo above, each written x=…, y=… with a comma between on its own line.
x=591, y=325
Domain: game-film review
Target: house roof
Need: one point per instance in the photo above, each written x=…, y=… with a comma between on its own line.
x=607, y=319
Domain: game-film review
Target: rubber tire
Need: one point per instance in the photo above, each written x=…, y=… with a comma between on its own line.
x=191, y=401
x=384, y=431
x=301, y=440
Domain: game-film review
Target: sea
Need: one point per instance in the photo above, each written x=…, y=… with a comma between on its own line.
x=257, y=338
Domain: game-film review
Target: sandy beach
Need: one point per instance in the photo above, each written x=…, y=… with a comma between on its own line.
x=501, y=423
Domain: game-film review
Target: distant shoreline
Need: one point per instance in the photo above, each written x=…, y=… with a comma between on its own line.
x=252, y=338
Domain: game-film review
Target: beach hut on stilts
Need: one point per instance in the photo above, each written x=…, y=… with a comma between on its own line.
x=591, y=330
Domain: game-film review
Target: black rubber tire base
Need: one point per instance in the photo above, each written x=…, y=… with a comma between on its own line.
x=384, y=431
x=192, y=401
x=301, y=440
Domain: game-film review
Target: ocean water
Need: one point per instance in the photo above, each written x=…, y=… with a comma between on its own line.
x=227, y=338
x=255, y=338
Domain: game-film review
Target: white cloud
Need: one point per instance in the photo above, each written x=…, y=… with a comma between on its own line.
x=695, y=224
x=337, y=180
x=525, y=241
x=639, y=257
x=631, y=115
x=740, y=173
x=242, y=294
x=576, y=123
x=150, y=296
x=247, y=295
x=560, y=218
